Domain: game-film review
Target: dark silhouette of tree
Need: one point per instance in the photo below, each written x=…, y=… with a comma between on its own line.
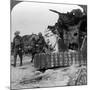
x=76, y=20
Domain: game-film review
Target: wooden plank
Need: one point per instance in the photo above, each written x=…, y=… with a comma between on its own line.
x=42, y=61
x=68, y=59
x=61, y=59
x=58, y=59
x=54, y=59
x=65, y=58
x=49, y=61
x=52, y=63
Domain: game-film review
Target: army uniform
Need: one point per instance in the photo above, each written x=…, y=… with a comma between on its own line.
x=41, y=43
x=17, y=47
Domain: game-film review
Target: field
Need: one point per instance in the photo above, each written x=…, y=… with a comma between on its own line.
x=27, y=76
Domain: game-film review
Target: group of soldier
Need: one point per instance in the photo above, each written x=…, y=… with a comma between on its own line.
x=17, y=46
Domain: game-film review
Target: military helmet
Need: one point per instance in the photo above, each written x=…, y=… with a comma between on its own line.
x=17, y=33
x=40, y=34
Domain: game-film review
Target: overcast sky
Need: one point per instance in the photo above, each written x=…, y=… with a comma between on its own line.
x=31, y=17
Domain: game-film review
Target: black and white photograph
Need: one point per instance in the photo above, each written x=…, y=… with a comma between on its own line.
x=48, y=44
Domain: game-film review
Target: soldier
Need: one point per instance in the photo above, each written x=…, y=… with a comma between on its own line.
x=41, y=42
x=17, y=47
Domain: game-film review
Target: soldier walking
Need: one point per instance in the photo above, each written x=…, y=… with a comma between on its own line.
x=17, y=47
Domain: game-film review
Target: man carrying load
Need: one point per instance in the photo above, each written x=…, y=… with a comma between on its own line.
x=17, y=47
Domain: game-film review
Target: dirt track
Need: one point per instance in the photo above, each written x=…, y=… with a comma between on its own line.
x=26, y=76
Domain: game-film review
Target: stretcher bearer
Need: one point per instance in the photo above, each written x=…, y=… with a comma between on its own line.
x=17, y=47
